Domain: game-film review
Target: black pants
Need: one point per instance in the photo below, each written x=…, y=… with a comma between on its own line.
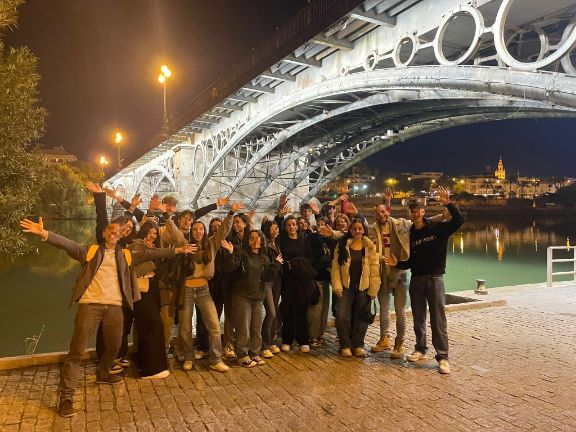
x=349, y=324
x=429, y=290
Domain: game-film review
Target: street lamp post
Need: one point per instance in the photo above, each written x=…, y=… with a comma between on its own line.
x=165, y=73
x=103, y=162
x=118, y=138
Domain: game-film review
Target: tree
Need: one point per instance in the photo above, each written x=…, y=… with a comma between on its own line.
x=565, y=196
x=21, y=125
x=86, y=171
x=64, y=194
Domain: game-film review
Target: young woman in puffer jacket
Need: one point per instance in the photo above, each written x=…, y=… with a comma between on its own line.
x=355, y=276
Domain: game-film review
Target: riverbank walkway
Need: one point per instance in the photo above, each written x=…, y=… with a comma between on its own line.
x=513, y=368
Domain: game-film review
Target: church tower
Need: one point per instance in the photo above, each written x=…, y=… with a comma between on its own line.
x=500, y=172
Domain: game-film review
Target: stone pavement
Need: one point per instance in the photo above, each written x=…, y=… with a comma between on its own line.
x=513, y=368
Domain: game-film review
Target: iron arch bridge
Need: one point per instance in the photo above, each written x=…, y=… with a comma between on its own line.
x=388, y=71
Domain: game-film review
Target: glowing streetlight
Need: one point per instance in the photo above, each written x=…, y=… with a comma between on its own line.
x=118, y=139
x=103, y=162
x=165, y=73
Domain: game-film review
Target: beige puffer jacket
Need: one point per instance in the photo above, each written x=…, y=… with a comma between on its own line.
x=370, y=278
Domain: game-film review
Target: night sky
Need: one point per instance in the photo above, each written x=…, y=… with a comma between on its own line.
x=99, y=61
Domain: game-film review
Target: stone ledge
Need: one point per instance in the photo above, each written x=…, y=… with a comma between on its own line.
x=20, y=362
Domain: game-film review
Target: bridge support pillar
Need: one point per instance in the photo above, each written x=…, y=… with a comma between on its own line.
x=184, y=169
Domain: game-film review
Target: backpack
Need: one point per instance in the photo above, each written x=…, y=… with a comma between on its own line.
x=94, y=248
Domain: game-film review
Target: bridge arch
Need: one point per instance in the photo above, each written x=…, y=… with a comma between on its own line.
x=555, y=92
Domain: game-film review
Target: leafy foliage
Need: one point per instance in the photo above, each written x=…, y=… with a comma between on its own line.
x=566, y=195
x=21, y=124
x=64, y=195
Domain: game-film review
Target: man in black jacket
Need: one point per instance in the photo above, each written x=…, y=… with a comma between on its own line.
x=427, y=262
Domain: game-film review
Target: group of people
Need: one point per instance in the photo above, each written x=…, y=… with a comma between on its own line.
x=272, y=283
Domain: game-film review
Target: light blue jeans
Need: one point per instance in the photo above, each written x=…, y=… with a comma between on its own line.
x=203, y=300
x=394, y=283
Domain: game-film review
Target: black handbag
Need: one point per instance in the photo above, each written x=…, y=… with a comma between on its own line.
x=368, y=312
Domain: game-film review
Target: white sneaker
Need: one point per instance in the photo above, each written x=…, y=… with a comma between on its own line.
x=159, y=375
x=229, y=353
x=416, y=356
x=443, y=366
x=219, y=367
x=188, y=365
x=346, y=352
x=274, y=349
x=247, y=362
x=267, y=354
x=286, y=347
x=304, y=348
x=116, y=368
x=199, y=354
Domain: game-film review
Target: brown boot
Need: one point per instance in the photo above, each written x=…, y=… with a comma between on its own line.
x=383, y=344
x=398, y=350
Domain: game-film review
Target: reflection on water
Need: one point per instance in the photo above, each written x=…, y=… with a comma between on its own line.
x=36, y=288
x=502, y=239
x=509, y=252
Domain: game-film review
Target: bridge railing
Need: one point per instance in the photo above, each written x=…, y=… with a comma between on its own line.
x=307, y=23
x=550, y=261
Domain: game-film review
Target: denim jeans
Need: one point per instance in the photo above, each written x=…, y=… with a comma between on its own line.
x=350, y=327
x=88, y=318
x=249, y=315
x=201, y=297
x=318, y=313
x=271, y=308
x=201, y=331
x=395, y=282
x=429, y=289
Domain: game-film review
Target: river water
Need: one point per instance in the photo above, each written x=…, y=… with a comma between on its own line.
x=36, y=288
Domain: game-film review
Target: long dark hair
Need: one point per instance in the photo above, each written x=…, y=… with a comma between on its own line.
x=203, y=255
x=210, y=231
x=145, y=229
x=234, y=238
x=343, y=254
x=263, y=245
x=266, y=228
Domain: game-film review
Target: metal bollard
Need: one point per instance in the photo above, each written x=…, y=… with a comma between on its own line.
x=480, y=287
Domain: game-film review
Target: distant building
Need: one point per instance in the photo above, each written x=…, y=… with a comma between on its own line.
x=500, y=172
x=359, y=179
x=58, y=155
x=432, y=175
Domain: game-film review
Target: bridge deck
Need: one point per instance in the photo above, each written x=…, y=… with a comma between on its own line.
x=512, y=369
